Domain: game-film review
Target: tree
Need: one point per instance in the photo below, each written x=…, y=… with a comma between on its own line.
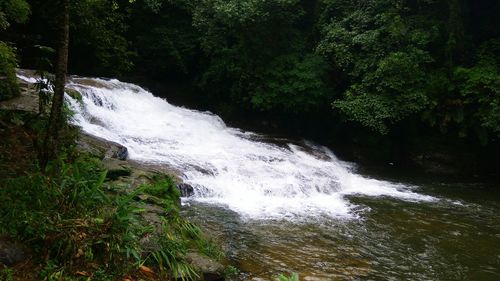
x=56, y=120
x=380, y=47
x=13, y=10
x=101, y=27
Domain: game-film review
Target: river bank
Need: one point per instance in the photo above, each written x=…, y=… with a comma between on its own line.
x=279, y=205
x=149, y=192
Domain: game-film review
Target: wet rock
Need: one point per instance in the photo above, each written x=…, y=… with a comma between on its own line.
x=121, y=153
x=74, y=94
x=97, y=121
x=90, y=82
x=147, y=170
x=185, y=189
x=210, y=269
x=11, y=252
x=101, y=148
x=149, y=199
x=116, y=168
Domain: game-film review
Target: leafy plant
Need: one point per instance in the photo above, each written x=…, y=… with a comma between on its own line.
x=293, y=277
x=6, y=274
x=13, y=11
x=231, y=271
x=173, y=246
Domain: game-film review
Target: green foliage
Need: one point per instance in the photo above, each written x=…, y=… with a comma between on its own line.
x=381, y=64
x=164, y=189
x=293, y=277
x=13, y=10
x=8, y=80
x=253, y=47
x=99, y=27
x=6, y=274
x=67, y=215
x=393, y=91
x=292, y=84
x=173, y=245
x=71, y=216
x=164, y=38
x=382, y=52
x=468, y=102
x=479, y=88
x=231, y=271
x=177, y=235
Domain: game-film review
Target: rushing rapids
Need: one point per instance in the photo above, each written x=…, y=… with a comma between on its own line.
x=226, y=166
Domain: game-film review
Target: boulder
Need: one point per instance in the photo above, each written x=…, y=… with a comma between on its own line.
x=210, y=269
x=185, y=189
x=101, y=148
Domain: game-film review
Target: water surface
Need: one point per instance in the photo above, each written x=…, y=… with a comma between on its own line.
x=457, y=239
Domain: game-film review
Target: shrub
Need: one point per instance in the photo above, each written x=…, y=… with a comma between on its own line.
x=73, y=218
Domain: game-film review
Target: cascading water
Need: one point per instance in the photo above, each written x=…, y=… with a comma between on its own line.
x=226, y=166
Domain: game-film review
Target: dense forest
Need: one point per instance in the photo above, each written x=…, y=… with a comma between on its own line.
x=398, y=77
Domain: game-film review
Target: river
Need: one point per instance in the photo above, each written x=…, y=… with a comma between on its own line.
x=280, y=205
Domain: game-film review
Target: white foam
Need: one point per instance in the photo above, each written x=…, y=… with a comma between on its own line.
x=224, y=165
x=26, y=78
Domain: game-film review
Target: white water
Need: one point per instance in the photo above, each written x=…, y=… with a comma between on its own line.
x=226, y=166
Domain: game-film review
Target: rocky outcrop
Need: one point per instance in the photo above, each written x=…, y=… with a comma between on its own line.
x=101, y=148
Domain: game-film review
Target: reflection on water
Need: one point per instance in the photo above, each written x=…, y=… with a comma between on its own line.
x=392, y=240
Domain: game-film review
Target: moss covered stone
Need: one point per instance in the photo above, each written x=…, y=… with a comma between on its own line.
x=74, y=94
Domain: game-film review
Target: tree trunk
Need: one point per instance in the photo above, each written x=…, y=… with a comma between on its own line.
x=50, y=146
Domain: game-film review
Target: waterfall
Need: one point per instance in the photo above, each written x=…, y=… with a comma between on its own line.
x=232, y=168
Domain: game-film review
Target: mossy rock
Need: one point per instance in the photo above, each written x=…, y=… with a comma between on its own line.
x=74, y=94
x=116, y=168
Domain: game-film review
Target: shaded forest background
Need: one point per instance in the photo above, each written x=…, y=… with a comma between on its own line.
x=392, y=80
